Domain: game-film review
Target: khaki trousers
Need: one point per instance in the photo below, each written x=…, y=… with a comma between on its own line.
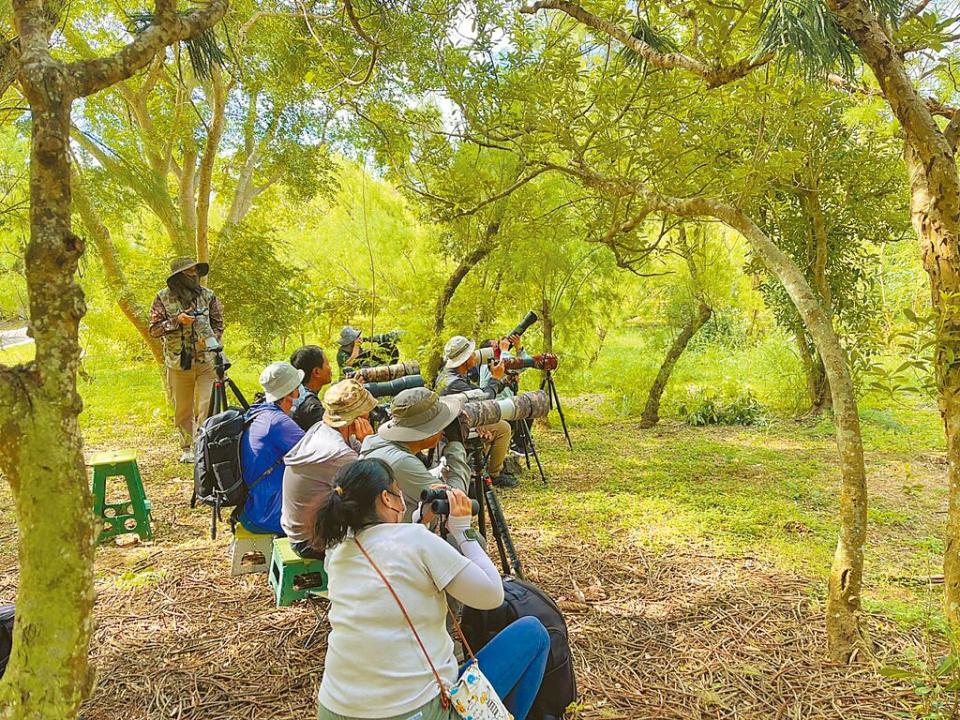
x=500, y=445
x=190, y=393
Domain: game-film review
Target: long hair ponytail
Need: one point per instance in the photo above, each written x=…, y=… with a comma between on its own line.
x=353, y=503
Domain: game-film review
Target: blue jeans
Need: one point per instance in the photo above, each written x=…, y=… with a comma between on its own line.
x=514, y=661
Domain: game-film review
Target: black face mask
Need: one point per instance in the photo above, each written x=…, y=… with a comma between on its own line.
x=185, y=288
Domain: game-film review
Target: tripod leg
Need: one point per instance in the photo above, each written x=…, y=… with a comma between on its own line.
x=477, y=487
x=524, y=434
x=536, y=456
x=221, y=397
x=556, y=397
x=497, y=529
x=508, y=553
x=236, y=391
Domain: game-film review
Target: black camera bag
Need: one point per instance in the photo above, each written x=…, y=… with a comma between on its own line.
x=523, y=599
x=217, y=474
x=6, y=636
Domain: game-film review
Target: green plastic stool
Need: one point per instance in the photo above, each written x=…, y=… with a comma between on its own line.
x=293, y=577
x=124, y=517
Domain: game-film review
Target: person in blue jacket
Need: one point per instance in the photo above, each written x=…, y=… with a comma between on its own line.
x=269, y=436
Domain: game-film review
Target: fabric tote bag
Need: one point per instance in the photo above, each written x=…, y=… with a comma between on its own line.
x=472, y=697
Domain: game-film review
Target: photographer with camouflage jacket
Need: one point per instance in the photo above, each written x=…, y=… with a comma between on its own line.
x=187, y=318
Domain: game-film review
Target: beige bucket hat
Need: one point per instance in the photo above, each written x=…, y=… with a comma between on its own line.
x=419, y=413
x=457, y=350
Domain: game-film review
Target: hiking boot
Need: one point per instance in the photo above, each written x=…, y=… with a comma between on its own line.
x=505, y=480
x=188, y=457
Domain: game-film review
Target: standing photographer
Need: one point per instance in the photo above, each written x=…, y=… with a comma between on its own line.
x=187, y=317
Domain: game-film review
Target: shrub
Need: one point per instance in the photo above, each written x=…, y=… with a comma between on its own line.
x=705, y=409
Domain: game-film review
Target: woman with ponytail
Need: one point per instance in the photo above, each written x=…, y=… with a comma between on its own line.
x=389, y=650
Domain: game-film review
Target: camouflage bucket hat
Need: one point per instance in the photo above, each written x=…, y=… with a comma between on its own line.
x=345, y=401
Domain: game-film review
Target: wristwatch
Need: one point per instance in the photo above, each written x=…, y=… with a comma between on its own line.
x=466, y=536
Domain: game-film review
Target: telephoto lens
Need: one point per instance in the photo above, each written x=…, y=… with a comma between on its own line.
x=528, y=320
x=436, y=500
x=383, y=373
x=392, y=387
x=484, y=355
x=546, y=361
x=524, y=406
x=384, y=338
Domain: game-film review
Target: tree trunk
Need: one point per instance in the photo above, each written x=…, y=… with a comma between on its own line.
x=818, y=389
x=113, y=270
x=941, y=259
x=41, y=450
x=817, y=384
x=453, y=282
x=211, y=147
x=844, y=634
x=651, y=413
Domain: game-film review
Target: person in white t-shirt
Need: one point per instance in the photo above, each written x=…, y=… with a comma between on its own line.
x=375, y=667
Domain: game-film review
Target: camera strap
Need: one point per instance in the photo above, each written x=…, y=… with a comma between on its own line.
x=444, y=694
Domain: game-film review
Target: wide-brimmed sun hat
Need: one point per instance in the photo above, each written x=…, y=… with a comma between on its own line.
x=348, y=335
x=345, y=402
x=178, y=265
x=419, y=413
x=279, y=379
x=457, y=350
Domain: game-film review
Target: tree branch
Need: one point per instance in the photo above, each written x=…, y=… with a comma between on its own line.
x=90, y=76
x=9, y=63
x=714, y=75
x=499, y=196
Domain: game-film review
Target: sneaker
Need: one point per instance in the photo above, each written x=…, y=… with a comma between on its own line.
x=505, y=480
x=188, y=457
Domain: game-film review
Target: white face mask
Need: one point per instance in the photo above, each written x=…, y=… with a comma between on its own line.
x=403, y=504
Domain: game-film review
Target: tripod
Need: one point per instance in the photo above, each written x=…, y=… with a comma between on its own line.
x=218, y=393
x=525, y=438
x=482, y=490
x=554, y=396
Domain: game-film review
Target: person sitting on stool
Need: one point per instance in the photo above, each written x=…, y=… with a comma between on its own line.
x=420, y=419
x=312, y=463
x=268, y=438
x=375, y=667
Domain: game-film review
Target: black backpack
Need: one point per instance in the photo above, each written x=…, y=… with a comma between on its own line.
x=217, y=474
x=523, y=599
x=6, y=636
